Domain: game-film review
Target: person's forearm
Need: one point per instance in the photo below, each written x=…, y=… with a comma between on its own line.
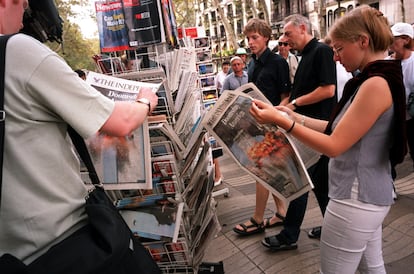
x=125, y=118
x=319, y=94
x=315, y=124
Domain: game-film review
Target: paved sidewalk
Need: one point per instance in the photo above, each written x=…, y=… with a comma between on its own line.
x=247, y=255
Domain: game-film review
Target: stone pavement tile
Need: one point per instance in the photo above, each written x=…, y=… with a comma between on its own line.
x=247, y=255
x=238, y=264
x=398, y=238
x=403, y=266
x=220, y=249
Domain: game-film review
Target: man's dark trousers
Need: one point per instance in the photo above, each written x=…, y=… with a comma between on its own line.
x=297, y=208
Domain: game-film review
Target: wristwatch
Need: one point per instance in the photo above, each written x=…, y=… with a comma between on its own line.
x=146, y=102
x=294, y=103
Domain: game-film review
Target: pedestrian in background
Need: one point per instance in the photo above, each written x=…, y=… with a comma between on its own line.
x=291, y=59
x=401, y=47
x=313, y=95
x=237, y=78
x=221, y=75
x=242, y=53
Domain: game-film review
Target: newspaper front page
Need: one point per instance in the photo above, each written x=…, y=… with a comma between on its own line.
x=265, y=151
x=121, y=162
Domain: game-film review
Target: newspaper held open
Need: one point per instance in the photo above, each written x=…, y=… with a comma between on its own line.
x=265, y=151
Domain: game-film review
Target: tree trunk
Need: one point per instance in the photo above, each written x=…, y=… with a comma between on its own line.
x=250, y=4
x=263, y=8
x=402, y=11
x=230, y=36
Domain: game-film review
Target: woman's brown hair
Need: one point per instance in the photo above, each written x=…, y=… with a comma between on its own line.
x=364, y=20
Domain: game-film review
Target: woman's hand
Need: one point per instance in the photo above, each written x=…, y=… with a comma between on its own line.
x=265, y=113
x=286, y=110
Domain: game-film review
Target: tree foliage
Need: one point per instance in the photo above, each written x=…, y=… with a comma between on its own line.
x=75, y=49
x=185, y=13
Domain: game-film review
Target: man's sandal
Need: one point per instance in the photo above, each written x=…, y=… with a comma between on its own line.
x=259, y=228
x=267, y=223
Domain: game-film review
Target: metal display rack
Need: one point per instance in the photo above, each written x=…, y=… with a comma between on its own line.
x=176, y=179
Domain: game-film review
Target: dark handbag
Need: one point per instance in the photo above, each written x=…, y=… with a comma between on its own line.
x=105, y=246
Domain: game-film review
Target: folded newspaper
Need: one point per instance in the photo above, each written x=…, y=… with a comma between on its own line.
x=273, y=157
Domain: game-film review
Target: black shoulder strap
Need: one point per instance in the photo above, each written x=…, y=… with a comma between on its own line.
x=3, y=42
x=80, y=146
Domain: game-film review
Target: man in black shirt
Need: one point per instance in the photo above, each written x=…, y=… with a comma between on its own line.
x=266, y=69
x=270, y=73
x=312, y=94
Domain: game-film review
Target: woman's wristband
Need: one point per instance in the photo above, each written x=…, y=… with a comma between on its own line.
x=291, y=128
x=302, y=120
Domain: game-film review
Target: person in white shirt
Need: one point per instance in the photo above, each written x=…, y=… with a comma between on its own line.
x=342, y=76
x=219, y=79
x=401, y=49
x=291, y=59
x=43, y=194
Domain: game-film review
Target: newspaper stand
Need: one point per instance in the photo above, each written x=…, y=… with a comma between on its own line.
x=181, y=163
x=209, y=94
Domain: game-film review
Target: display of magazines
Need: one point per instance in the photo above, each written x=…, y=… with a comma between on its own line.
x=188, y=126
x=165, y=103
x=267, y=152
x=121, y=162
x=183, y=59
x=161, y=221
x=207, y=232
x=169, y=255
x=166, y=175
x=201, y=183
x=188, y=82
x=160, y=130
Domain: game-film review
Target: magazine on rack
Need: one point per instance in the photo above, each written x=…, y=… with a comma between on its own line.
x=158, y=222
x=161, y=130
x=267, y=152
x=187, y=85
x=188, y=126
x=121, y=162
x=206, y=234
x=183, y=59
x=168, y=254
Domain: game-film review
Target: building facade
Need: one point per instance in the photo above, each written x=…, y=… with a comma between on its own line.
x=224, y=20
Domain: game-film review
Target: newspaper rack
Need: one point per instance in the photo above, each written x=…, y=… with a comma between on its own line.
x=174, y=145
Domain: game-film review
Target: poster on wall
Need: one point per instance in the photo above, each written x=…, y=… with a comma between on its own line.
x=143, y=22
x=113, y=33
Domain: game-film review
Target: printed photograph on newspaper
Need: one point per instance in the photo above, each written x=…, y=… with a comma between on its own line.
x=121, y=162
x=265, y=151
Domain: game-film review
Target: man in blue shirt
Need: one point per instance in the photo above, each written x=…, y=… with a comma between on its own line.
x=237, y=78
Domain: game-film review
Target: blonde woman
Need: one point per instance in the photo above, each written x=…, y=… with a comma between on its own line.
x=361, y=153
